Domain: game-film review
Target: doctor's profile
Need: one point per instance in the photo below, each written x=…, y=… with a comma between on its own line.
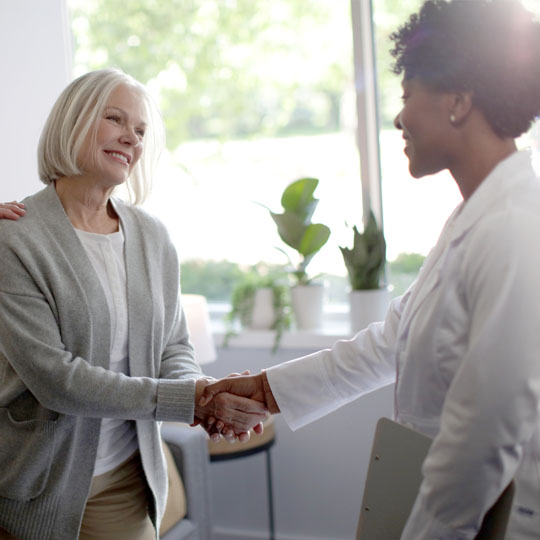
x=462, y=345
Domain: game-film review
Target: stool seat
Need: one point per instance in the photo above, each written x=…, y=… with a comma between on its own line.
x=222, y=449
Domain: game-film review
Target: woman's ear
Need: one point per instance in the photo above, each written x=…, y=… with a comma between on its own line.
x=461, y=104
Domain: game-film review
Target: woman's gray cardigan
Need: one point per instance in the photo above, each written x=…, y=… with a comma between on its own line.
x=54, y=353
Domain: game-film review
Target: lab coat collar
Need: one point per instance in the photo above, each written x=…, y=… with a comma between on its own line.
x=505, y=177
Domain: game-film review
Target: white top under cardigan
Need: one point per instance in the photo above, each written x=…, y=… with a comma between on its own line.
x=463, y=346
x=117, y=437
x=55, y=381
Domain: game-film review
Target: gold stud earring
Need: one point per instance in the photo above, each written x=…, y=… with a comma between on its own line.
x=452, y=119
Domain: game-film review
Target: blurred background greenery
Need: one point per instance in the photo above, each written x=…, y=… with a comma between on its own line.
x=225, y=69
x=215, y=279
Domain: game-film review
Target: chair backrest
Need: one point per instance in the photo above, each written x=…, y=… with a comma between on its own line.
x=393, y=480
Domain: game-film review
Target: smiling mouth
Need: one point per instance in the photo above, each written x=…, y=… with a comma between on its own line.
x=117, y=155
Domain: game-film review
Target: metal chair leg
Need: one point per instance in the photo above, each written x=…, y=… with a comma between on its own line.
x=270, y=494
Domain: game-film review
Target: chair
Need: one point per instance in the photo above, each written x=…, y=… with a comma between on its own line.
x=189, y=449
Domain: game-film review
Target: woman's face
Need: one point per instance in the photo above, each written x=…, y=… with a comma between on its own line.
x=119, y=139
x=425, y=123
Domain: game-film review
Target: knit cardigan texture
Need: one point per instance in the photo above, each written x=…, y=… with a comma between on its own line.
x=55, y=386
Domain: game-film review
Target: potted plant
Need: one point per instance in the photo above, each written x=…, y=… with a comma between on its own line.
x=365, y=262
x=297, y=231
x=260, y=301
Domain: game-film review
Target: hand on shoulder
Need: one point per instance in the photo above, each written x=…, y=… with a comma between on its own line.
x=12, y=210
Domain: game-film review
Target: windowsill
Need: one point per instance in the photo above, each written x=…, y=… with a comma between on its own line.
x=335, y=327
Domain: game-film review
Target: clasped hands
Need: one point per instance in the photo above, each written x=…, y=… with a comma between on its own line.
x=232, y=406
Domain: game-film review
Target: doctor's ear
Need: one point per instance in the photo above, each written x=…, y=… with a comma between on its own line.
x=461, y=104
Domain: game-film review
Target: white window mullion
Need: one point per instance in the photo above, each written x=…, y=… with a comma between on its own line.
x=365, y=72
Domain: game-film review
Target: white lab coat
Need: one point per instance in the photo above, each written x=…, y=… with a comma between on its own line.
x=463, y=346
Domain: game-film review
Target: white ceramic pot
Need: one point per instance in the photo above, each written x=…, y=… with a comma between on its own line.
x=307, y=305
x=264, y=314
x=368, y=306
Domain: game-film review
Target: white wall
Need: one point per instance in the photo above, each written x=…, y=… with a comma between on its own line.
x=35, y=65
x=318, y=471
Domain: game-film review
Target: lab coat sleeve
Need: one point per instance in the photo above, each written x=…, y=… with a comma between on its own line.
x=312, y=386
x=492, y=407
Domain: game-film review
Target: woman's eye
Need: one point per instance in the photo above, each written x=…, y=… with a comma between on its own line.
x=113, y=118
x=140, y=133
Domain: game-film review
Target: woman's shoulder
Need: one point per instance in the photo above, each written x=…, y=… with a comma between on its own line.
x=30, y=223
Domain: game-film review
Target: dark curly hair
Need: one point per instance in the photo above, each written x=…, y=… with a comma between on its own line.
x=490, y=48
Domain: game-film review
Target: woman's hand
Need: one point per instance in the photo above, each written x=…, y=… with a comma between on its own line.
x=12, y=210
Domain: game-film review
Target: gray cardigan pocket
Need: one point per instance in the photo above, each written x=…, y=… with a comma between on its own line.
x=26, y=452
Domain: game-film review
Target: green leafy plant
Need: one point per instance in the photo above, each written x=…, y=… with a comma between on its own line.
x=295, y=227
x=243, y=300
x=366, y=260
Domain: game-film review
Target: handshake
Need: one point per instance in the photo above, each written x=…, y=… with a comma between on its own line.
x=233, y=405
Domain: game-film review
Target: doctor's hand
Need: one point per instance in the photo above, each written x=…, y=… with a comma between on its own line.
x=12, y=210
x=229, y=415
x=255, y=387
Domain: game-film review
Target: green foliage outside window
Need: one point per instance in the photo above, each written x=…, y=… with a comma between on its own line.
x=238, y=68
x=213, y=279
x=217, y=279
x=224, y=68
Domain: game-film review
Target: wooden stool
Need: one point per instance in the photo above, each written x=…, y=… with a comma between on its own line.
x=223, y=451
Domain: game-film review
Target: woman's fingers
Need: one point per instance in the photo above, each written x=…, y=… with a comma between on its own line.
x=12, y=210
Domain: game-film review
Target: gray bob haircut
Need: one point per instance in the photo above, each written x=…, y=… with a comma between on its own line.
x=76, y=115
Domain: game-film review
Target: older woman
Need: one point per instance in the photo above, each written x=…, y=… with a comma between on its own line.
x=94, y=347
x=463, y=344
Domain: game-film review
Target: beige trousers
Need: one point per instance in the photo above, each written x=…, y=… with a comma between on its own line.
x=117, y=507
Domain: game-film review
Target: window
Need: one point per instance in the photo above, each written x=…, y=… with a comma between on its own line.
x=254, y=96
